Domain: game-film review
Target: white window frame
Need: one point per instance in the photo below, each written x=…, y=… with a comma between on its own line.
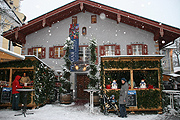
x=109, y=50
x=85, y=53
x=59, y=50
x=37, y=51
x=137, y=49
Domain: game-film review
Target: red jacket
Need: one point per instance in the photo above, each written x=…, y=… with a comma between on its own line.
x=15, y=85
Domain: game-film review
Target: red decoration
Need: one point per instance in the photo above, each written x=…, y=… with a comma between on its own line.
x=108, y=86
x=150, y=87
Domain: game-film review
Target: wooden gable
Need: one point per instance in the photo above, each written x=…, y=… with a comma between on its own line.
x=162, y=32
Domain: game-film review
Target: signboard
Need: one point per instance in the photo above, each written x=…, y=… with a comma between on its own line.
x=74, y=35
x=6, y=95
x=132, y=99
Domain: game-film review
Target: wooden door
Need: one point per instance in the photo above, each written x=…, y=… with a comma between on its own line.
x=82, y=83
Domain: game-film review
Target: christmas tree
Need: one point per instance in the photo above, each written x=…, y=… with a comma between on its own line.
x=44, y=84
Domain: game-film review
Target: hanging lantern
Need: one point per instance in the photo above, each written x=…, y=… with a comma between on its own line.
x=76, y=67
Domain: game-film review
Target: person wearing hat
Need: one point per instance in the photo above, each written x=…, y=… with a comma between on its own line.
x=15, y=93
x=123, y=98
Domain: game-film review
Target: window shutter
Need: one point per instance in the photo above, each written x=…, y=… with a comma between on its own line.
x=64, y=52
x=30, y=51
x=117, y=50
x=43, y=53
x=56, y=52
x=51, y=52
x=129, y=50
x=145, y=49
x=96, y=56
x=102, y=50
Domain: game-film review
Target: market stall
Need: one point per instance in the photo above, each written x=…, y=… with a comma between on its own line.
x=143, y=74
x=38, y=73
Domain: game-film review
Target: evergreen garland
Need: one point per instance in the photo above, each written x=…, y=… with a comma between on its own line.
x=130, y=64
x=148, y=98
x=93, y=68
x=145, y=98
x=18, y=64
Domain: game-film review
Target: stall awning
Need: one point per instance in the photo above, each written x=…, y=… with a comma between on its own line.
x=6, y=55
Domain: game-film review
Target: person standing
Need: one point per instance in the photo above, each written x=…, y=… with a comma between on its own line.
x=16, y=85
x=123, y=98
x=25, y=79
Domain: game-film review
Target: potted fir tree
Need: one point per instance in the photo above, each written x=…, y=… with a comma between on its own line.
x=64, y=90
x=93, y=67
x=93, y=70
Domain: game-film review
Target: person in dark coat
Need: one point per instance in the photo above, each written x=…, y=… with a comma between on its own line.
x=123, y=98
x=16, y=85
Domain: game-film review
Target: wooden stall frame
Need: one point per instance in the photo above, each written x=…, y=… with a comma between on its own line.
x=135, y=58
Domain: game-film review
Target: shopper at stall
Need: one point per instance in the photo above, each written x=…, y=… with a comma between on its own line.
x=123, y=98
x=16, y=85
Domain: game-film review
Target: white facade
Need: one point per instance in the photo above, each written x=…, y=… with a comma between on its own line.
x=104, y=31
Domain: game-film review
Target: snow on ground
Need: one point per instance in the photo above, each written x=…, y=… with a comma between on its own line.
x=71, y=112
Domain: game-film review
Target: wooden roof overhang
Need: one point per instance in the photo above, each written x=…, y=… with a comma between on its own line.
x=162, y=32
x=132, y=57
x=6, y=55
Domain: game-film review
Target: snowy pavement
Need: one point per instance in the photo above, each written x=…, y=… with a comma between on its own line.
x=71, y=112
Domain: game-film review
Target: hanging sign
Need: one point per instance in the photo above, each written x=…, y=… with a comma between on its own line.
x=6, y=95
x=132, y=99
x=74, y=35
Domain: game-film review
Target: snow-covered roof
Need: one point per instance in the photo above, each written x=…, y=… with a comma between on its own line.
x=173, y=75
x=176, y=69
x=173, y=46
x=37, y=59
x=7, y=53
x=132, y=56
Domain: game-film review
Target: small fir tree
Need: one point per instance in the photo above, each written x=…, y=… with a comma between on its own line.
x=93, y=68
x=64, y=80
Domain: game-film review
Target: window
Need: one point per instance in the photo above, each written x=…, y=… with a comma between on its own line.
x=37, y=52
x=137, y=49
x=112, y=49
x=84, y=31
x=56, y=52
x=40, y=52
x=74, y=19
x=109, y=50
x=93, y=19
x=84, y=53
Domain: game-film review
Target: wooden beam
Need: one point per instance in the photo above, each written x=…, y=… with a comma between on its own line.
x=23, y=68
x=132, y=79
x=10, y=78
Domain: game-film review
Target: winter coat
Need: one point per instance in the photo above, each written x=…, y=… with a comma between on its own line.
x=123, y=94
x=16, y=85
